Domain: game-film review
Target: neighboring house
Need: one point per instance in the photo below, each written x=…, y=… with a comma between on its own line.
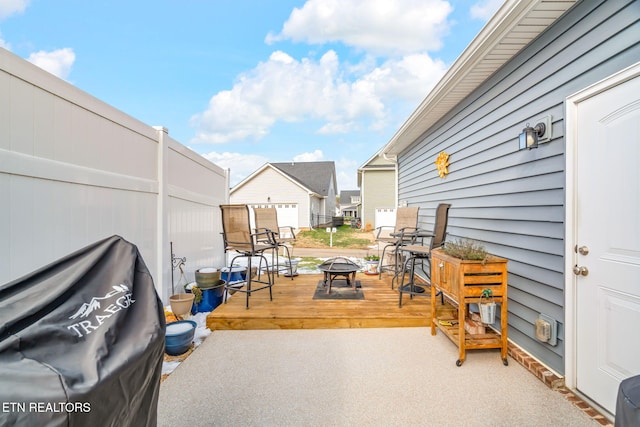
x=350, y=203
x=304, y=193
x=564, y=214
x=377, y=182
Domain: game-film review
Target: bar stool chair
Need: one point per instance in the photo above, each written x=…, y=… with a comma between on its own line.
x=239, y=239
x=422, y=253
x=266, y=221
x=406, y=222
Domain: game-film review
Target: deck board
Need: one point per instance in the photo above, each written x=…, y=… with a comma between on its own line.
x=293, y=307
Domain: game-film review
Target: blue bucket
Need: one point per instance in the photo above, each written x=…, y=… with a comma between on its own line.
x=179, y=336
x=233, y=274
x=211, y=298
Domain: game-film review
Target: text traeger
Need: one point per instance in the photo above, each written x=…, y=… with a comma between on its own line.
x=117, y=299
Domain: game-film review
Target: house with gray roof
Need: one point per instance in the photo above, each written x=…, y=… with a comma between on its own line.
x=303, y=193
x=350, y=203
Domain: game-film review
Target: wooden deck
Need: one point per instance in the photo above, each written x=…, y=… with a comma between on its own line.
x=293, y=307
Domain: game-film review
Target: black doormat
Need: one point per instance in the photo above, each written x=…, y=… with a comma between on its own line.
x=339, y=290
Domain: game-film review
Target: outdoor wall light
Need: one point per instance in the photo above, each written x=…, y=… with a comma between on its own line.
x=529, y=136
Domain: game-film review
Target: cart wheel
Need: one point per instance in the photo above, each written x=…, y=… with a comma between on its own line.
x=505, y=362
x=458, y=362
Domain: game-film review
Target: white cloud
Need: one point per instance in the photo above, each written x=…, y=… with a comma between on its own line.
x=409, y=78
x=314, y=156
x=10, y=7
x=484, y=9
x=341, y=97
x=285, y=89
x=240, y=165
x=4, y=44
x=378, y=26
x=346, y=174
x=57, y=62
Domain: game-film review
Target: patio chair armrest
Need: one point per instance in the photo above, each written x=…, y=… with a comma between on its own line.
x=381, y=228
x=258, y=232
x=266, y=236
x=408, y=235
x=288, y=230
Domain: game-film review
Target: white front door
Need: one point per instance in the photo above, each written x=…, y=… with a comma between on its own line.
x=605, y=262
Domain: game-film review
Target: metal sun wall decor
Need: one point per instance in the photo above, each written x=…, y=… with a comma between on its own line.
x=442, y=164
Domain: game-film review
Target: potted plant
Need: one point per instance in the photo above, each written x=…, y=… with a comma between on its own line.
x=466, y=250
x=487, y=307
x=207, y=296
x=181, y=302
x=461, y=266
x=371, y=264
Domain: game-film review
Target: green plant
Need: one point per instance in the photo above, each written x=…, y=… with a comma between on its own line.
x=372, y=258
x=465, y=249
x=487, y=293
x=197, y=294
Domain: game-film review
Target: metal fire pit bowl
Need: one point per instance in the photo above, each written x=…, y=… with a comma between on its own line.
x=339, y=266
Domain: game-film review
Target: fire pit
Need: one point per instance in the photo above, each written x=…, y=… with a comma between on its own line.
x=339, y=266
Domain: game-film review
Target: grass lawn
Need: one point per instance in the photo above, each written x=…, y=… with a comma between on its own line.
x=344, y=237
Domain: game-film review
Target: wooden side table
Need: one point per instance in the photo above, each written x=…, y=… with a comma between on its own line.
x=462, y=282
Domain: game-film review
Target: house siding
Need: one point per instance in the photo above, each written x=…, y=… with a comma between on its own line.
x=331, y=205
x=514, y=201
x=378, y=189
x=281, y=190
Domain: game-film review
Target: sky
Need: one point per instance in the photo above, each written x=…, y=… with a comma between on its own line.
x=246, y=82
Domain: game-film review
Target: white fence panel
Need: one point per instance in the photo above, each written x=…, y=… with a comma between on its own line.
x=74, y=170
x=196, y=189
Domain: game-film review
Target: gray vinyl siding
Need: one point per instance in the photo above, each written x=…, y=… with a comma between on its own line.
x=514, y=201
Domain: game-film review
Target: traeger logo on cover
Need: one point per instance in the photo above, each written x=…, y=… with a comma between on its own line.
x=117, y=299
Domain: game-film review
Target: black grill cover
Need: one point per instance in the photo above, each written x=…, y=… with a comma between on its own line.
x=628, y=403
x=82, y=341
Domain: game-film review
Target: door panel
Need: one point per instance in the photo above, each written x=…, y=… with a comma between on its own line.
x=608, y=227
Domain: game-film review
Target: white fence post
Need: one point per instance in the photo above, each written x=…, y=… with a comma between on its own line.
x=162, y=274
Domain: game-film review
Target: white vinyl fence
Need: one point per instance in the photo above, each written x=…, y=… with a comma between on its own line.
x=74, y=170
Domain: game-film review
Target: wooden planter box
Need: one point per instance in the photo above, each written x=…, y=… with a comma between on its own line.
x=463, y=281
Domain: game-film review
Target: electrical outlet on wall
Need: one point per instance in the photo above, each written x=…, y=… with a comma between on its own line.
x=543, y=330
x=547, y=329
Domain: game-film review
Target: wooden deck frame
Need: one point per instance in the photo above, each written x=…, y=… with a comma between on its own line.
x=293, y=307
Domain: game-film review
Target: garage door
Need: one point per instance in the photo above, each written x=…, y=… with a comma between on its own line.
x=385, y=217
x=287, y=213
